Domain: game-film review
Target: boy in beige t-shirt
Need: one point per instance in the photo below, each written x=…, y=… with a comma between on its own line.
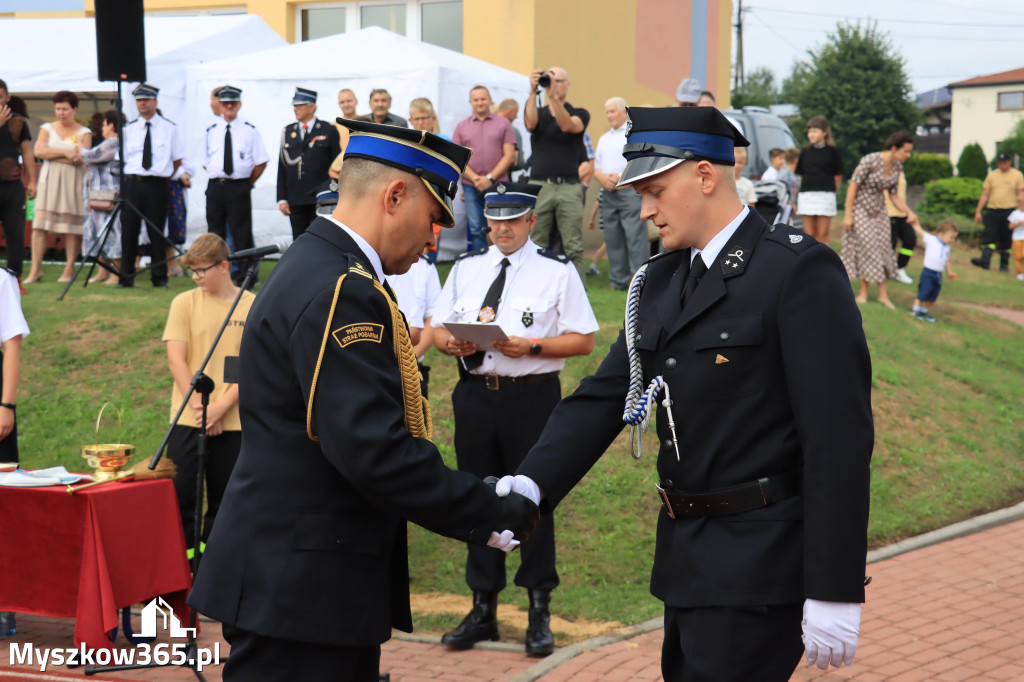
x=194, y=319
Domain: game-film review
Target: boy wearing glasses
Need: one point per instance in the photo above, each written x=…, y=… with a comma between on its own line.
x=194, y=319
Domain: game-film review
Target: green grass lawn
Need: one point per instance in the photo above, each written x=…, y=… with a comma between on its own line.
x=947, y=402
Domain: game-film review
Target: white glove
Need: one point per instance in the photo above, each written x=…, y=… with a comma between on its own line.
x=503, y=541
x=830, y=632
x=523, y=485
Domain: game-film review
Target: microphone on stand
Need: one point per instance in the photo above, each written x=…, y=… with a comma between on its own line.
x=258, y=252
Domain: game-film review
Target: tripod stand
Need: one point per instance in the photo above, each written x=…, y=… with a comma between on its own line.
x=97, y=257
x=203, y=385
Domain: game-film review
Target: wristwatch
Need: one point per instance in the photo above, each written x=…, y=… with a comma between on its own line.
x=489, y=177
x=535, y=347
x=9, y=406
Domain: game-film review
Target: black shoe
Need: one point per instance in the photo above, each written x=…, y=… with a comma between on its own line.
x=539, y=640
x=980, y=262
x=125, y=285
x=479, y=625
x=162, y=285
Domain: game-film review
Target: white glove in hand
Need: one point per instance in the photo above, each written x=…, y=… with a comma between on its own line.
x=503, y=541
x=523, y=485
x=830, y=632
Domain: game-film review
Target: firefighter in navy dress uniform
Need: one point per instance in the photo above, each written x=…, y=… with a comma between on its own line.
x=307, y=564
x=766, y=441
x=507, y=392
x=308, y=146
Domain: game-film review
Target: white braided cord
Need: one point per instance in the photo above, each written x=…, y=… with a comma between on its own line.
x=637, y=412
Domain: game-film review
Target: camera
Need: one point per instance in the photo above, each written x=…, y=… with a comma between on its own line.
x=545, y=80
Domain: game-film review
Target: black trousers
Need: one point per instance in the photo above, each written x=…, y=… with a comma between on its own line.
x=9, y=445
x=493, y=432
x=12, y=214
x=150, y=196
x=270, y=659
x=903, y=233
x=997, y=235
x=301, y=218
x=183, y=450
x=229, y=205
x=731, y=643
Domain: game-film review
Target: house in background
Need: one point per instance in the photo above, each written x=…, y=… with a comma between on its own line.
x=985, y=110
x=936, y=107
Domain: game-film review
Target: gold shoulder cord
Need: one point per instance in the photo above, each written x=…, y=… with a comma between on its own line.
x=417, y=409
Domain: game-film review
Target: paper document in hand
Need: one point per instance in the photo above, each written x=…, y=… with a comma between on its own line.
x=480, y=333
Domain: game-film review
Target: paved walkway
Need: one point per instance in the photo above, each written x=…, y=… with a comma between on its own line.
x=948, y=605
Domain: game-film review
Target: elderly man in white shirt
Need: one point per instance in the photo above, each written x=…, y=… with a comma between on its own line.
x=625, y=234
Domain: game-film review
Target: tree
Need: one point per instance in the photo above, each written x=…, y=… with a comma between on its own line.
x=972, y=162
x=1012, y=145
x=758, y=89
x=859, y=82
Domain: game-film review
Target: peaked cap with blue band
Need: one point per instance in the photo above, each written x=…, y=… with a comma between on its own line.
x=659, y=139
x=145, y=91
x=435, y=160
x=229, y=93
x=509, y=200
x=304, y=96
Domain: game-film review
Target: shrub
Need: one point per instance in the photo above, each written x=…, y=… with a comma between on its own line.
x=1012, y=144
x=972, y=163
x=952, y=195
x=921, y=169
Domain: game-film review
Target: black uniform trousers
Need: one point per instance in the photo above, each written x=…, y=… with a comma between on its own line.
x=9, y=445
x=150, y=195
x=270, y=659
x=997, y=235
x=12, y=214
x=902, y=232
x=493, y=432
x=183, y=450
x=229, y=205
x=731, y=643
x=301, y=218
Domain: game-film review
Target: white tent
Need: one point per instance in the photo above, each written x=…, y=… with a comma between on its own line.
x=47, y=55
x=361, y=60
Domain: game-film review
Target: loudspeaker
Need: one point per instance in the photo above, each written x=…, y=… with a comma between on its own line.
x=120, y=40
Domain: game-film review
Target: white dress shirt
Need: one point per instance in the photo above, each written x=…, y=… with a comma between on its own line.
x=711, y=250
x=542, y=298
x=609, y=158
x=247, y=149
x=12, y=321
x=417, y=291
x=165, y=141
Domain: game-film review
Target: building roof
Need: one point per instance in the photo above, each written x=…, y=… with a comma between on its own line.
x=940, y=97
x=1014, y=76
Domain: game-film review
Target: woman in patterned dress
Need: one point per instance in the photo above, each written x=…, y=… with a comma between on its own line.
x=866, y=247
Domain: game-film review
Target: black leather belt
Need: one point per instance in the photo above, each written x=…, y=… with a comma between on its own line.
x=148, y=178
x=732, y=500
x=496, y=383
x=229, y=181
x=559, y=179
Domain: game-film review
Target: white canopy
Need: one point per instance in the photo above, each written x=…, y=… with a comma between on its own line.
x=362, y=60
x=47, y=55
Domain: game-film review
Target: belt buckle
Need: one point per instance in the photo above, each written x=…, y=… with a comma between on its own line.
x=491, y=382
x=665, y=501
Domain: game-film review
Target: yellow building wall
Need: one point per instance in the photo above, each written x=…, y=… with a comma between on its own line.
x=975, y=119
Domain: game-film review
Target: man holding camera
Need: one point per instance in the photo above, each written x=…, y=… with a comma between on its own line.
x=557, y=137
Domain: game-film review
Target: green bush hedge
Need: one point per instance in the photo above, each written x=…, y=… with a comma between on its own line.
x=921, y=169
x=972, y=163
x=952, y=195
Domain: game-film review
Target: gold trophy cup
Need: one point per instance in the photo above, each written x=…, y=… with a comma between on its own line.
x=107, y=459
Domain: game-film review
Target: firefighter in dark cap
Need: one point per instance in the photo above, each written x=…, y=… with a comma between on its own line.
x=746, y=339
x=307, y=565
x=538, y=300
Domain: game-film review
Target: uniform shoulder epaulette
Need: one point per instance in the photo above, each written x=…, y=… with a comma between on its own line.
x=660, y=255
x=250, y=125
x=422, y=257
x=356, y=267
x=470, y=254
x=797, y=240
x=133, y=121
x=554, y=255
x=211, y=127
x=9, y=271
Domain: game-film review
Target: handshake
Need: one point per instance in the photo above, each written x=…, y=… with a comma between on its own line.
x=519, y=510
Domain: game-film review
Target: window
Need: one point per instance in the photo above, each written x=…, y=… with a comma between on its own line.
x=319, y=23
x=1009, y=101
x=441, y=24
x=391, y=17
x=433, y=21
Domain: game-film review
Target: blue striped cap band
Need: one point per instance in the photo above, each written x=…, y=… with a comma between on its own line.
x=407, y=155
x=517, y=198
x=701, y=144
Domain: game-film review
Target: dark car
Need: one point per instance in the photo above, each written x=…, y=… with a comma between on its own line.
x=765, y=131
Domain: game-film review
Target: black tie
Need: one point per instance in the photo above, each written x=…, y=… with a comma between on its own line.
x=697, y=270
x=489, y=312
x=147, y=150
x=229, y=163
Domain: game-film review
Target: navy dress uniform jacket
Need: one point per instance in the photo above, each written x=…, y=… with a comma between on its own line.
x=310, y=541
x=296, y=183
x=769, y=373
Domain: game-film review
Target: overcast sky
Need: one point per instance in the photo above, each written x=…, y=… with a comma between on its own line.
x=942, y=41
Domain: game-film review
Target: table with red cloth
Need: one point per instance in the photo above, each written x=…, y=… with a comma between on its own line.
x=89, y=554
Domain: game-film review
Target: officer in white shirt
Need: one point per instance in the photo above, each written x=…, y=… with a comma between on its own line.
x=625, y=234
x=507, y=392
x=418, y=292
x=153, y=151
x=235, y=158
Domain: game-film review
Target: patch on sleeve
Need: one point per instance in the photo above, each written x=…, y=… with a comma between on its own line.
x=359, y=331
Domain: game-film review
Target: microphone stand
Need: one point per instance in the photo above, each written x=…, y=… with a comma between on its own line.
x=203, y=385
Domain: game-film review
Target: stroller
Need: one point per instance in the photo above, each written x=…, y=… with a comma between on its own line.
x=772, y=201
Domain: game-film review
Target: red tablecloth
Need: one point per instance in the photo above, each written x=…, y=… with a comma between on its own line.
x=87, y=555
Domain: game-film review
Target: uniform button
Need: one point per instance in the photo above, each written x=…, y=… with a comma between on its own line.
x=724, y=336
x=667, y=443
x=667, y=484
x=639, y=336
x=472, y=532
x=338, y=541
x=771, y=229
x=670, y=363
